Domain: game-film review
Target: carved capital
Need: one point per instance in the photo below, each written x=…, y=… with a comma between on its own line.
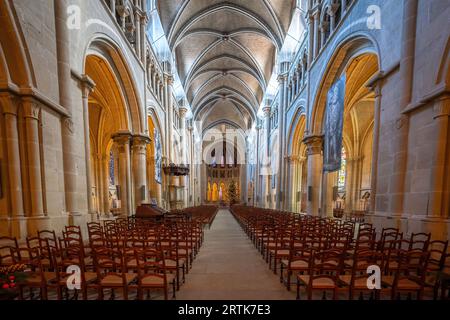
x=313, y=144
x=87, y=86
x=441, y=106
x=30, y=108
x=10, y=104
x=182, y=111
x=140, y=141
x=266, y=110
x=122, y=137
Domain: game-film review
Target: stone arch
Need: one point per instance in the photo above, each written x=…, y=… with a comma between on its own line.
x=109, y=51
x=15, y=62
x=344, y=53
x=358, y=59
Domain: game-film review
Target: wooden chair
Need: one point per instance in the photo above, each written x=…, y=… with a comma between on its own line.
x=9, y=251
x=36, y=276
x=152, y=272
x=356, y=282
x=72, y=256
x=409, y=275
x=111, y=272
x=324, y=271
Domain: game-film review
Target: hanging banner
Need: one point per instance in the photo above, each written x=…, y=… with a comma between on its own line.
x=334, y=120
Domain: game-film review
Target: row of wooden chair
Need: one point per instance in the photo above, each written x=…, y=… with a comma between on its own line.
x=122, y=254
x=327, y=254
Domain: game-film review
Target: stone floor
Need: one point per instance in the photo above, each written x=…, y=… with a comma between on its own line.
x=228, y=266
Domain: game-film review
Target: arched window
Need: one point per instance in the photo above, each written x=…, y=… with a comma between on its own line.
x=342, y=171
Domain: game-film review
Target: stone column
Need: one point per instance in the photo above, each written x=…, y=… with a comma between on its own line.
x=310, y=21
x=139, y=171
x=266, y=164
x=168, y=93
x=143, y=25
x=375, y=147
x=69, y=142
x=104, y=165
x=283, y=92
x=300, y=179
x=10, y=108
x=257, y=191
x=191, y=164
x=400, y=138
x=137, y=22
x=123, y=141
x=315, y=165
x=86, y=89
x=440, y=190
x=290, y=178
x=316, y=17
x=182, y=110
x=31, y=114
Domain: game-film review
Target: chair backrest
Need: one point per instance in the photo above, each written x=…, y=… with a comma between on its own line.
x=419, y=241
x=9, y=250
x=438, y=251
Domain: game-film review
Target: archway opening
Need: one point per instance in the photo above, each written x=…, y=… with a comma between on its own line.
x=348, y=188
x=109, y=160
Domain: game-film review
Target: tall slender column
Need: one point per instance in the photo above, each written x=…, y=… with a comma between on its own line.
x=10, y=108
x=87, y=87
x=266, y=164
x=316, y=17
x=375, y=147
x=104, y=163
x=440, y=190
x=139, y=171
x=137, y=22
x=311, y=32
x=257, y=192
x=315, y=165
x=31, y=114
x=282, y=106
x=182, y=110
x=123, y=141
x=400, y=143
x=67, y=131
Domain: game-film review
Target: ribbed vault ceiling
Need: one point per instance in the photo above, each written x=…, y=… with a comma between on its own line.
x=225, y=53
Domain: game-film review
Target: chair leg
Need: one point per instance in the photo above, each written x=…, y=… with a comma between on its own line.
x=298, y=290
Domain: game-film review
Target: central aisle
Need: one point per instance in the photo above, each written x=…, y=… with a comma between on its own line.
x=228, y=266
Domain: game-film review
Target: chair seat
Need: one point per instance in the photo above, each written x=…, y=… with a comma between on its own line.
x=116, y=280
x=360, y=283
x=403, y=284
x=281, y=253
x=296, y=264
x=319, y=283
x=170, y=263
x=34, y=278
x=153, y=280
x=89, y=277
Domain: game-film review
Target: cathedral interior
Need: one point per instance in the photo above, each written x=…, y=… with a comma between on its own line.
x=211, y=137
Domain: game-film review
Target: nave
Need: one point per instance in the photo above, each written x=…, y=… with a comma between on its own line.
x=229, y=267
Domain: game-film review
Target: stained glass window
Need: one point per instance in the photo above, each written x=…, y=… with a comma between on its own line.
x=111, y=169
x=342, y=171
